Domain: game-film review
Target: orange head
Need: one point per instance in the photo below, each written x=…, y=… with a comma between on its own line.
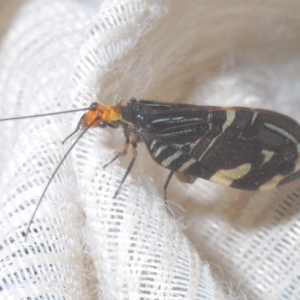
x=99, y=115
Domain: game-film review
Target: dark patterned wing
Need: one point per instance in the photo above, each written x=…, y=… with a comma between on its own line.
x=238, y=147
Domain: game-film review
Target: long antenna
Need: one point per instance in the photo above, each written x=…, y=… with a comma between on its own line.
x=53, y=175
x=45, y=115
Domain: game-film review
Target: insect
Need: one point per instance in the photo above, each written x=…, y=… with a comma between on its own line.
x=244, y=148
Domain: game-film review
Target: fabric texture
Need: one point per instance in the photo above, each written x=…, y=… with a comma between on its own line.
x=221, y=243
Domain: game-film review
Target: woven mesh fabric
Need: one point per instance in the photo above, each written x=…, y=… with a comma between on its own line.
x=58, y=55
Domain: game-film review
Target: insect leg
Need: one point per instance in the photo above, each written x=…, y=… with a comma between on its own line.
x=134, y=155
x=125, y=149
x=183, y=177
x=76, y=129
x=167, y=183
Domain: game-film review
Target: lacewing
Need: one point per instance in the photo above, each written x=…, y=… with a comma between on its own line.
x=244, y=148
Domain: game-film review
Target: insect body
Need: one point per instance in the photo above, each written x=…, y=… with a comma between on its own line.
x=244, y=148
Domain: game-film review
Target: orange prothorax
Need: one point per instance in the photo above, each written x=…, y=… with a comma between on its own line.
x=101, y=114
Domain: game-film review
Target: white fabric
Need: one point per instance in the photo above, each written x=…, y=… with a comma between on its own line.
x=57, y=55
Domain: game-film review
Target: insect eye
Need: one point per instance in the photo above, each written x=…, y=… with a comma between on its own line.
x=102, y=124
x=93, y=106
